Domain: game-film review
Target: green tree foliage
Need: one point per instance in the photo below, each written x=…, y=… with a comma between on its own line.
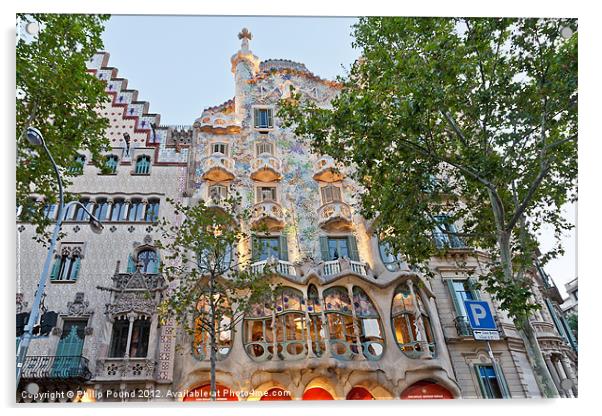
x=56, y=95
x=460, y=121
x=574, y=323
x=211, y=287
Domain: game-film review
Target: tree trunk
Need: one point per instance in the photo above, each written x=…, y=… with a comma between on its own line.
x=213, y=346
x=524, y=328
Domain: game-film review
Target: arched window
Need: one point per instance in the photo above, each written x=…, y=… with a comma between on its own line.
x=371, y=337
x=290, y=324
x=80, y=213
x=143, y=165
x=259, y=332
x=149, y=259
x=101, y=208
x=201, y=344
x=152, y=210
x=391, y=261
x=339, y=317
x=111, y=163
x=119, y=211
x=316, y=331
x=411, y=323
x=77, y=168
x=136, y=212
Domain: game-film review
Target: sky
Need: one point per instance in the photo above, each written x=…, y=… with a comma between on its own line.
x=181, y=65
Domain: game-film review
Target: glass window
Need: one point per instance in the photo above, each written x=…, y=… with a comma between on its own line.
x=65, y=268
x=392, y=262
x=149, y=260
x=138, y=342
x=411, y=323
x=339, y=318
x=266, y=193
x=290, y=324
x=111, y=163
x=152, y=211
x=50, y=211
x=371, y=336
x=101, y=208
x=337, y=248
x=80, y=213
x=259, y=332
x=316, y=331
x=263, y=118
x=78, y=165
x=444, y=233
x=202, y=340
x=220, y=148
x=119, y=210
x=268, y=247
x=143, y=165
x=218, y=192
x=265, y=148
x=490, y=386
x=136, y=210
x=462, y=291
x=330, y=193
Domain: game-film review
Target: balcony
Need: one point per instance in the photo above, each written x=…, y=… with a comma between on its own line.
x=334, y=267
x=281, y=267
x=266, y=168
x=335, y=216
x=130, y=369
x=326, y=170
x=545, y=330
x=63, y=368
x=463, y=326
x=218, y=167
x=269, y=213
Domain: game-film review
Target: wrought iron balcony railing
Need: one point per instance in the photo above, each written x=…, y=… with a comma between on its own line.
x=56, y=368
x=463, y=326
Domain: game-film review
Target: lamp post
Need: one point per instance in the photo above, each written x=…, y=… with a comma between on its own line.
x=35, y=138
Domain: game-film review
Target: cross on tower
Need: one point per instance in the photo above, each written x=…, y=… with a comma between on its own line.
x=245, y=36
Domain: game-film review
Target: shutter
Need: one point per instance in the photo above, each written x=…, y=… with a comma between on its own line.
x=256, y=117
x=324, y=248
x=254, y=248
x=452, y=292
x=481, y=385
x=270, y=118
x=353, y=253
x=472, y=284
x=75, y=268
x=131, y=264
x=283, y=248
x=55, y=269
x=502, y=381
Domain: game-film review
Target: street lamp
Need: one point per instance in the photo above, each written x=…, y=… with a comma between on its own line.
x=35, y=138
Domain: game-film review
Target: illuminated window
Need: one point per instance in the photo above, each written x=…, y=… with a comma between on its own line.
x=201, y=345
x=339, y=318
x=371, y=336
x=316, y=330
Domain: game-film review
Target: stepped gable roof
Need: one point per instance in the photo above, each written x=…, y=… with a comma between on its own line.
x=286, y=66
x=128, y=115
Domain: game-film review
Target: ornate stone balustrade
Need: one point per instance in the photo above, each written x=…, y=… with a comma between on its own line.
x=326, y=170
x=218, y=167
x=127, y=369
x=269, y=212
x=334, y=215
x=266, y=168
x=280, y=266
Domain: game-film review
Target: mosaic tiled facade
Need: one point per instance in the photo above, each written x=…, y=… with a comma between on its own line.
x=361, y=324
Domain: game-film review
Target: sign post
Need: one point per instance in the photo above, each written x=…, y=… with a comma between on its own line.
x=483, y=328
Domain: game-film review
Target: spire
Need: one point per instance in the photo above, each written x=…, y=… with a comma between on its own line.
x=245, y=54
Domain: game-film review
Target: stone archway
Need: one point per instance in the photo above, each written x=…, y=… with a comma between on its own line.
x=276, y=393
x=360, y=393
x=317, y=393
x=426, y=390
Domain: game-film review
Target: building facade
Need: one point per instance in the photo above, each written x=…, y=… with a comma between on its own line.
x=352, y=321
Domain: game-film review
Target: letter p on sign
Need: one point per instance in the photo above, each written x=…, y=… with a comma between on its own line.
x=479, y=315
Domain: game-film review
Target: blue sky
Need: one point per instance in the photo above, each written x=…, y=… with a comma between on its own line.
x=181, y=65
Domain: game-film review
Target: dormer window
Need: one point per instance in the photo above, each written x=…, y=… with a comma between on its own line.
x=220, y=148
x=263, y=118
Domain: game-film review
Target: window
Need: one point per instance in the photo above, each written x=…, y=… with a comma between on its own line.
x=316, y=330
x=259, y=332
x=220, y=148
x=334, y=248
x=265, y=148
x=111, y=163
x=491, y=387
x=392, y=262
x=339, y=318
x=330, y=193
x=218, y=192
x=411, y=323
x=140, y=329
x=77, y=168
x=266, y=193
x=290, y=324
x=371, y=332
x=119, y=210
x=264, y=118
x=69, y=350
x=460, y=291
x=266, y=247
x=152, y=211
x=136, y=210
x=101, y=209
x=65, y=268
x=444, y=233
x=143, y=165
x=80, y=213
x=50, y=211
x=149, y=260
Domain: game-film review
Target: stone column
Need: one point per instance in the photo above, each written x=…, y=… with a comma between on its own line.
x=554, y=374
x=562, y=374
x=126, y=210
x=144, y=209
x=310, y=349
x=152, y=338
x=325, y=327
x=440, y=344
x=109, y=210
x=424, y=349
x=566, y=364
x=357, y=331
x=131, y=318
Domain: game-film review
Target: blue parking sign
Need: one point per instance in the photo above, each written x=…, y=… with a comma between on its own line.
x=479, y=315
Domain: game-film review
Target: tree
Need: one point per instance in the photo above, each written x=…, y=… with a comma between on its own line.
x=212, y=287
x=58, y=96
x=460, y=121
x=574, y=323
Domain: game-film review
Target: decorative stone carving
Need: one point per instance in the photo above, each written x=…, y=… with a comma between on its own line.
x=89, y=330
x=131, y=228
x=57, y=331
x=147, y=238
x=79, y=306
x=131, y=302
x=113, y=229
